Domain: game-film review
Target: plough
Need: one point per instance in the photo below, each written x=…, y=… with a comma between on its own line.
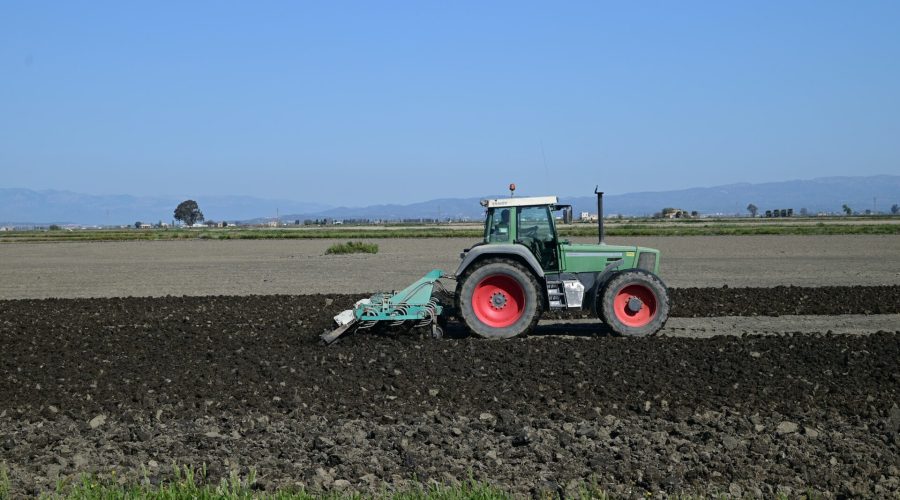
x=415, y=304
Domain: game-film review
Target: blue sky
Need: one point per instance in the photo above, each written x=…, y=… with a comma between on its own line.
x=369, y=102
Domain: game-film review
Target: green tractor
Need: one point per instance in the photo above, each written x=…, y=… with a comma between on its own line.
x=521, y=269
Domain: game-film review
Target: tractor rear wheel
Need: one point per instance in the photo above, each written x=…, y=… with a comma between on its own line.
x=499, y=299
x=634, y=303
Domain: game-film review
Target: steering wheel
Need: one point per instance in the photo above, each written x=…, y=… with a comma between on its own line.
x=530, y=232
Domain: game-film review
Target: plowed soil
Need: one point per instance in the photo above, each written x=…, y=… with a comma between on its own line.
x=134, y=385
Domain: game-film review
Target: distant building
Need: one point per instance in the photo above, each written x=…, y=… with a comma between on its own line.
x=780, y=212
x=675, y=213
x=144, y=225
x=587, y=217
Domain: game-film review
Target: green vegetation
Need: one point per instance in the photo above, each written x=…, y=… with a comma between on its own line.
x=616, y=227
x=4, y=483
x=188, y=484
x=352, y=247
x=736, y=230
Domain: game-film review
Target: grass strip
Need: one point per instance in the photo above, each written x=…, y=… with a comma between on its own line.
x=4, y=482
x=351, y=247
x=188, y=484
x=437, y=232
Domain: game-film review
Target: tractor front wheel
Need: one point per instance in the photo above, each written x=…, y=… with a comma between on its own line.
x=634, y=303
x=499, y=299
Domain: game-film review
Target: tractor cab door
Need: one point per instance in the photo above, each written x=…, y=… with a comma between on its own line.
x=535, y=230
x=498, y=227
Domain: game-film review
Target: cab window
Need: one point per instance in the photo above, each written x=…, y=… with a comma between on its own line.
x=534, y=223
x=499, y=230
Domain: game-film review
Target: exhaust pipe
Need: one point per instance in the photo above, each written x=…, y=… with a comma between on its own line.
x=599, y=213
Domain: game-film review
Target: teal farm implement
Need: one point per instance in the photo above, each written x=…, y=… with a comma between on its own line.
x=415, y=303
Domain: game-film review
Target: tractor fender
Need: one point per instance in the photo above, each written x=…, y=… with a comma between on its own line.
x=480, y=251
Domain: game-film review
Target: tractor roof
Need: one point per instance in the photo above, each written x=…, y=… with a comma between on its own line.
x=520, y=202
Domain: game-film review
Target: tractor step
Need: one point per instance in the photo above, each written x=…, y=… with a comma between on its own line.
x=555, y=296
x=566, y=294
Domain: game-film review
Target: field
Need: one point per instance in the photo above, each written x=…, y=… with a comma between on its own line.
x=786, y=381
x=266, y=267
x=735, y=226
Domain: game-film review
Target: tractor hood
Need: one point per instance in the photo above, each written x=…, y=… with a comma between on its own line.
x=584, y=257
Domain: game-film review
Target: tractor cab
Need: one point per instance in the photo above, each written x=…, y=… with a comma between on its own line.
x=531, y=223
x=528, y=222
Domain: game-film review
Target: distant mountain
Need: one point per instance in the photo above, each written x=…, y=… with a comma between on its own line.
x=25, y=207
x=827, y=194
x=454, y=208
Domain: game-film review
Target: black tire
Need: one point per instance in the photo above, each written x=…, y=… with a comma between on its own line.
x=649, y=319
x=532, y=303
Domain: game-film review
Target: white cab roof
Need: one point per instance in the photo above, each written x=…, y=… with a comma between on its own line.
x=520, y=202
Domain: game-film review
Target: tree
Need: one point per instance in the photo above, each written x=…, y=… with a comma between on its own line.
x=137, y=225
x=895, y=209
x=752, y=209
x=188, y=212
x=847, y=210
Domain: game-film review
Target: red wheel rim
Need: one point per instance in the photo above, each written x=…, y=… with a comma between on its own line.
x=647, y=310
x=498, y=300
